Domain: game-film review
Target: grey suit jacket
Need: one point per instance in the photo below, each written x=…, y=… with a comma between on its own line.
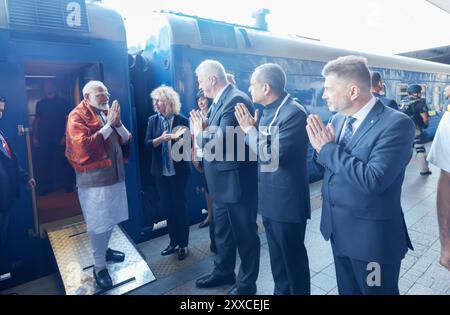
x=362, y=186
x=230, y=180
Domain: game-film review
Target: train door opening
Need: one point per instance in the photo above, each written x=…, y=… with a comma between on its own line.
x=53, y=89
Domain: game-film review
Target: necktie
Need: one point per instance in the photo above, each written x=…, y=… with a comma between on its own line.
x=210, y=109
x=348, y=132
x=165, y=123
x=4, y=147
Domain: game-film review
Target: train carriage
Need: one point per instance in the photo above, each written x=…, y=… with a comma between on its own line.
x=73, y=42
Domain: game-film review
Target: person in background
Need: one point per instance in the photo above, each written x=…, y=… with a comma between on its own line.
x=416, y=108
x=203, y=104
x=377, y=88
x=11, y=177
x=49, y=127
x=231, y=79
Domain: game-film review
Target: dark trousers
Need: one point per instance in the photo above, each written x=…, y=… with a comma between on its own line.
x=354, y=278
x=235, y=227
x=4, y=226
x=212, y=231
x=172, y=194
x=288, y=257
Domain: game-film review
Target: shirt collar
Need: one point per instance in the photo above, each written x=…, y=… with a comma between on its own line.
x=365, y=110
x=217, y=98
x=276, y=103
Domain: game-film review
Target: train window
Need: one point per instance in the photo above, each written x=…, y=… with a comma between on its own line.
x=424, y=91
x=437, y=98
x=245, y=36
x=383, y=90
x=401, y=92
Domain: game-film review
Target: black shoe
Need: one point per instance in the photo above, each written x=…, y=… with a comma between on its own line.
x=183, y=253
x=210, y=281
x=114, y=255
x=169, y=250
x=203, y=224
x=247, y=291
x=425, y=173
x=103, y=279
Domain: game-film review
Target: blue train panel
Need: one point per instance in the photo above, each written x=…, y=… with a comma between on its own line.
x=70, y=44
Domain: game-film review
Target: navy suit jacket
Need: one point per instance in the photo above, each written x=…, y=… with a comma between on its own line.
x=386, y=101
x=230, y=180
x=154, y=130
x=283, y=195
x=362, y=186
x=11, y=176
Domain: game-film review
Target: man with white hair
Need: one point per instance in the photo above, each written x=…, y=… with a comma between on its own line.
x=96, y=147
x=231, y=183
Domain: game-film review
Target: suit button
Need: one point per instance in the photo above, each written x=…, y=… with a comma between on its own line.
x=331, y=184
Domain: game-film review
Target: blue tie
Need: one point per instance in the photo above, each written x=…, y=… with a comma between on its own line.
x=348, y=132
x=165, y=124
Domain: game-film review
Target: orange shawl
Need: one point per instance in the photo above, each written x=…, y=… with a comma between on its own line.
x=85, y=147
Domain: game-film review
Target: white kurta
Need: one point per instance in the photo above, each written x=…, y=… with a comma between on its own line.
x=103, y=207
x=440, y=149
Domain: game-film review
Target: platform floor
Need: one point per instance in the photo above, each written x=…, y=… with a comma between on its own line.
x=420, y=271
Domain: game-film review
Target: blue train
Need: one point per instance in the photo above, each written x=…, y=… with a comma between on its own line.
x=73, y=42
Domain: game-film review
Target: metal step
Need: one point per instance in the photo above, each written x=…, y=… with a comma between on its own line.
x=73, y=253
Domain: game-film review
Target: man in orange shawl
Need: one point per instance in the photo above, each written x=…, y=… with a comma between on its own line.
x=96, y=141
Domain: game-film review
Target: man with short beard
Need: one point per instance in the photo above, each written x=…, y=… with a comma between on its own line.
x=96, y=147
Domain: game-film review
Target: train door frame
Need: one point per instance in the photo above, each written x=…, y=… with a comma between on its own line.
x=75, y=75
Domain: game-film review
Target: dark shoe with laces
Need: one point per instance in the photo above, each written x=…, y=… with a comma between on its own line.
x=169, y=250
x=183, y=252
x=103, y=279
x=114, y=255
x=210, y=281
x=251, y=290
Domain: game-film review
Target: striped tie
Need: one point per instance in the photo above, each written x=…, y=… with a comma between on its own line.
x=348, y=132
x=4, y=147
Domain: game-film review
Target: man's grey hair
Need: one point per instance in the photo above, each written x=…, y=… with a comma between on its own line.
x=273, y=75
x=352, y=69
x=91, y=86
x=212, y=68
